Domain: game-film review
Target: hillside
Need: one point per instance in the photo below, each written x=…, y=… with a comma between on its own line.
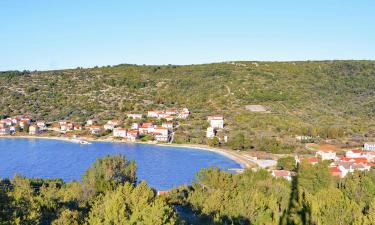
x=329, y=99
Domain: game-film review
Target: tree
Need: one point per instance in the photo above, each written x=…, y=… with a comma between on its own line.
x=213, y=142
x=109, y=172
x=286, y=163
x=131, y=205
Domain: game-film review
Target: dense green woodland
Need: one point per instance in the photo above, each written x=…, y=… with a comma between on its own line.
x=325, y=99
x=109, y=193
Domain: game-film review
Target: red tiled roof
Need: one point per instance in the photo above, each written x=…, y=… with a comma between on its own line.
x=281, y=173
x=357, y=160
x=335, y=169
x=313, y=160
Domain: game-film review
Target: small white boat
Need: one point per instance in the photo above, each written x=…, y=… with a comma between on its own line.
x=78, y=141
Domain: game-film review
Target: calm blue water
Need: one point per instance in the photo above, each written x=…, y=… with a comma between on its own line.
x=161, y=167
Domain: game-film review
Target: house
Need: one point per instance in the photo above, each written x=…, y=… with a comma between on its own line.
x=282, y=174
x=153, y=114
x=132, y=135
x=369, y=146
x=91, y=122
x=108, y=126
x=41, y=125
x=24, y=122
x=167, y=125
x=161, y=130
x=160, y=137
x=355, y=153
x=171, y=112
x=95, y=129
x=33, y=130
x=120, y=132
x=183, y=115
x=4, y=130
x=326, y=154
x=77, y=126
x=135, y=126
x=113, y=122
x=146, y=128
x=134, y=116
x=313, y=160
x=336, y=171
x=7, y=121
x=210, y=133
x=169, y=118
x=216, y=122
x=161, y=134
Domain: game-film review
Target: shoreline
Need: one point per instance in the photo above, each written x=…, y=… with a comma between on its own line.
x=226, y=153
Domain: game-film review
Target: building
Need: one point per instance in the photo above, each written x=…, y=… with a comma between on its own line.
x=338, y=171
x=216, y=122
x=167, y=125
x=4, y=130
x=91, y=122
x=171, y=112
x=153, y=114
x=355, y=153
x=77, y=126
x=134, y=116
x=108, y=126
x=33, y=130
x=95, y=130
x=369, y=146
x=210, y=133
x=146, y=128
x=282, y=174
x=120, y=132
x=326, y=154
x=169, y=118
x=41, y=125
x=135, y=126
x=132, y=135
x=183, y=115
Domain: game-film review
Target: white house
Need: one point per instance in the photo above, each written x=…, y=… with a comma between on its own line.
x=326, y=154
x=41, y=125
x=33, y=130
x=153, y=114
x=282, y=174
x=91, y=122
x=4, y=130
x=108, y=126
x=369, y=146
x=135, y=126
x=146, y=128
x=161, y=130
x=210, y=133
x=217, y=123
x=167, y=125
x=132, y=135
x=95, y=129
x=355, y=153
x=134, y=116
x=120, y=132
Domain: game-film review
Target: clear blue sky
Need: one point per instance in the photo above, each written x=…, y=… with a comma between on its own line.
x=54, y=34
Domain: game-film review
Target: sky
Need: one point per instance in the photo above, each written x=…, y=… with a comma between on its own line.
x=53, y=34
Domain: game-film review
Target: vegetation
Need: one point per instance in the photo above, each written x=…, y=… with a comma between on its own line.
x=215, y=197
x=116, y=199
x=325, y=99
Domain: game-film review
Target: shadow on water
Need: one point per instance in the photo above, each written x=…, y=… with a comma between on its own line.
x=298, y=212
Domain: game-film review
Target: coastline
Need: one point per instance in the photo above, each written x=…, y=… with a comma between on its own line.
x=238, y=158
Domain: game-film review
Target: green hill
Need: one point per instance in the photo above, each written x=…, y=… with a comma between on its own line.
x=329, y=99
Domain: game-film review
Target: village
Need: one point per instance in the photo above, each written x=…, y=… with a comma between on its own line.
x=349, y=160
x=158, y=126
x=155, y=125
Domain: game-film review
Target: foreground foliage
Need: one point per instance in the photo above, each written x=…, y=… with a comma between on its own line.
x=313, y=197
